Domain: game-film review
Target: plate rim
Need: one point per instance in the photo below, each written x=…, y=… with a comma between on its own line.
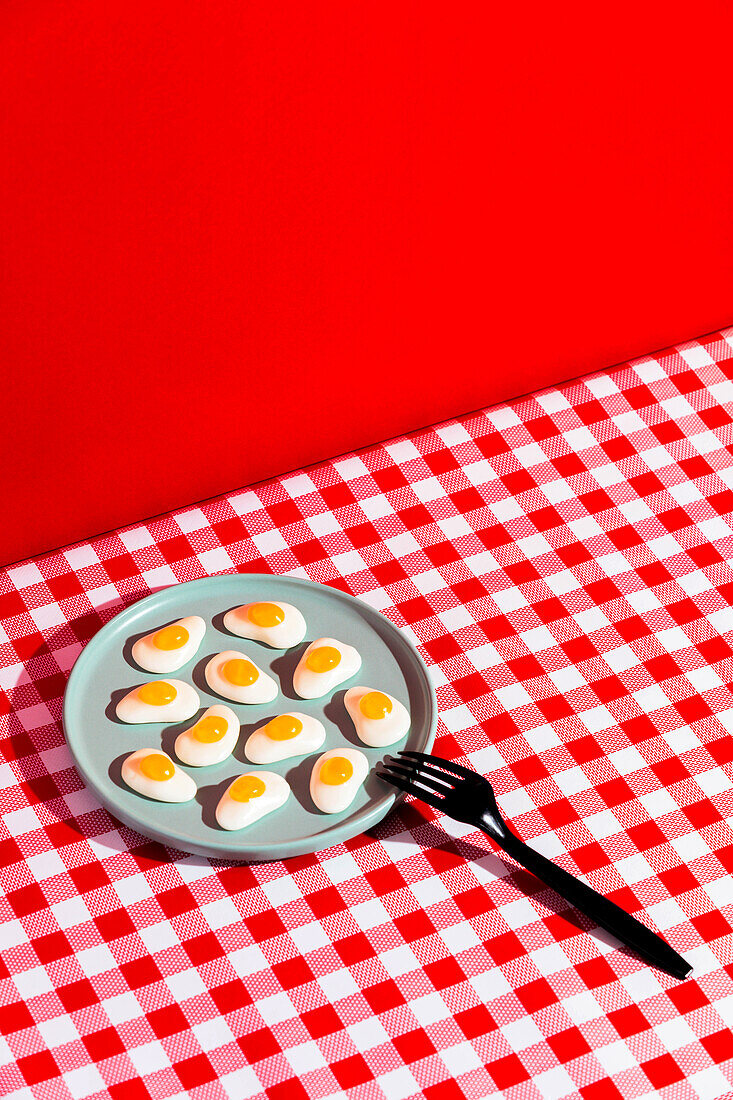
x=369, y=816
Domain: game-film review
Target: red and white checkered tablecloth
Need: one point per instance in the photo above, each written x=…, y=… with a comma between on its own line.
x=564, y=564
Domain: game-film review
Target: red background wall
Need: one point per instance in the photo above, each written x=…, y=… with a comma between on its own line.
x=243, y=236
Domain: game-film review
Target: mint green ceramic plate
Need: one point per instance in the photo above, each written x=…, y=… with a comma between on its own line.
x=105, y=671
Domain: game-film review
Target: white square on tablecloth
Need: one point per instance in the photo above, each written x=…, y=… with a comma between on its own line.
x=22, y=821
x=479, y=473
x=240, y=1083
x=399, y=960
x=216, y=560
x=567, y=679
x=398, y=1084
x=460, y=937
x=591, y=619
x=651, y=698
x=298, y=485
x=596, y=719
x=84, y=1081
x=367, y=1034
x=337, y=984
x=506, y=509
x=531, y=454
x=713, y=782
x=33, y=982
x=572, y=780
x=123, y=1007
x=193, y=519
x=25, y=575
x=521, y=1034
x=513, y=696
x=429, y=1009
x=461, y=1058
x=369, y=914
x=695, y=355
x=80, y=556
x=648, y=370
x=105, y=595
x=96, y=960
x=245, y=503
x=709, y=1083
x=57, y=1031
x=541, y=738
x=582, y=1007
x=135, y=539
x=554, y=1083
x=133, y=888
x=305, y=1057
x=306, y=937
x=212, y=1034
x=341, y=868
x=558, y=490
x=48, y=616
x=615, y=1057
x=452, y=434
x=158, y=936
x=602, y=824
x=538, y=639
x=325, y=523
x=160, y=577
x=149, y=1058
x=280, y=890
x=188, y=983
x=352, y=467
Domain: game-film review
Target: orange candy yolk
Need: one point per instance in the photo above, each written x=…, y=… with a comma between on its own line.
x=283, y=728
x=246, y=787
x=265, y=614
x=157, y=767
x=323, y=659
x=170, y=637
x=239, y=672
x=336, y=770
x=209, y=729
x=375, y=704
x=157, y=693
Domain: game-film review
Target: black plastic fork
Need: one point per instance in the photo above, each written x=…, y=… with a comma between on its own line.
x=467, y=796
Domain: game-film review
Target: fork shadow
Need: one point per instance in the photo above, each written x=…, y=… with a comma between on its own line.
x=427, y=834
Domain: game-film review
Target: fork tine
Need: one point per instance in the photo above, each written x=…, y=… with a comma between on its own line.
x=413, y=777
x=448, y=765
x=412, y=788
x=421, y=771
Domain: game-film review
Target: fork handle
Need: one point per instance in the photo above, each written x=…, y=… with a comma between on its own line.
x=605, y=913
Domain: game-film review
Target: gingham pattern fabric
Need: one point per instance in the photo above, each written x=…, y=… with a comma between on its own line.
x=564, y=565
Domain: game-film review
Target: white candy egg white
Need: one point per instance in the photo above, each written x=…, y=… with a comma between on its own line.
x=275, y=740
x=332, y=798
x=152, y=773
x=279, y=625
x=159, y=701
x=170, y=647
x=211, y=739
x=245, y=801
x=219, y=670
x=380, y=725
x=317, y=674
